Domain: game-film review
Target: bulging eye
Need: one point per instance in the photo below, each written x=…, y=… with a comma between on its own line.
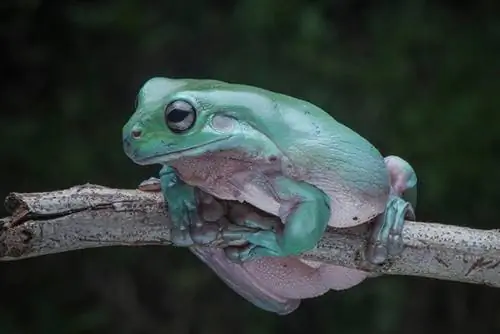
x=179, y=116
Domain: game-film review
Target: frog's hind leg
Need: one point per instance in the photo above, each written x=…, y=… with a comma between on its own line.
x=386, y=238
x=304, y=215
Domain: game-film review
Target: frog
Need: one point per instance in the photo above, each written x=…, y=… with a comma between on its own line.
x=286, y=157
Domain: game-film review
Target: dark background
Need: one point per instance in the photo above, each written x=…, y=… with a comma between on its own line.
x=417, y=78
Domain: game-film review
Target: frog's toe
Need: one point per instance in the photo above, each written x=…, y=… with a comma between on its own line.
x=151, y=185
x=181, y=237
x=240, y=254
x=398, y=213
x=183, y=219
x=246, y=216
x=183, y=214
x=387, y=236
x=248, y=253
x=259, y=244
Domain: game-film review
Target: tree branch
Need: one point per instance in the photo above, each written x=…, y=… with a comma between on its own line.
x=92, y=216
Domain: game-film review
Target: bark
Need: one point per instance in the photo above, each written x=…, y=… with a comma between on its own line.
x=90, y=216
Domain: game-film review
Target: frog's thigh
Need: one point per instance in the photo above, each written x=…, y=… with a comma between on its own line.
x=403, y=179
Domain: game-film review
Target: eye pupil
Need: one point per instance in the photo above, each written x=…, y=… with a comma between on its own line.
x=177, y=115
x=180, y=116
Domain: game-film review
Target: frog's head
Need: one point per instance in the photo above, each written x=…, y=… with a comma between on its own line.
x=177, y=118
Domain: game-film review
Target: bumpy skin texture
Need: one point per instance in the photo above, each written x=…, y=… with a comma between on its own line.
x=282, y=155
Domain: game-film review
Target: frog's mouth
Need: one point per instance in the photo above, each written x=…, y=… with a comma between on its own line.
x=192, y=151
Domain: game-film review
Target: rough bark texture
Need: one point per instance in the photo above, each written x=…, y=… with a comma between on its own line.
x=91, y=216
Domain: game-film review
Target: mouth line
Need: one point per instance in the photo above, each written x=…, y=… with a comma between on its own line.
x=184, y=150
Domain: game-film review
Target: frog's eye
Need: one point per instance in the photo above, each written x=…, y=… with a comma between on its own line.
x=180, y=116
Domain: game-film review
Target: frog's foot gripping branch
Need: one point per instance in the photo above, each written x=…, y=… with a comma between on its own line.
x=386, y=238
x=234, y=223
x=185, y=203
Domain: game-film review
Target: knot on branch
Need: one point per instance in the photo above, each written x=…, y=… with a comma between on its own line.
x=14, y=242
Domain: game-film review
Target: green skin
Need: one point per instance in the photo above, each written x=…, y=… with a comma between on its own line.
x=281, y=154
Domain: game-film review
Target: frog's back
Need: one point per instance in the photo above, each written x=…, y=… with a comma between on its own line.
x=319, y=150
x=336, y=159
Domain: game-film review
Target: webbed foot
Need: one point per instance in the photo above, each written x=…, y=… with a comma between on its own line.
x=386, y=238
x=243, y=228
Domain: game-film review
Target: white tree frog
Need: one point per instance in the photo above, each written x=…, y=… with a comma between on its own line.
x=282, y=155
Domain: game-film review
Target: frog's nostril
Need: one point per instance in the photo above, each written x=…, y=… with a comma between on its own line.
x=136, y=133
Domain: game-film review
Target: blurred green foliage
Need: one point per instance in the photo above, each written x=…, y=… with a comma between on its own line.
x=419, y=79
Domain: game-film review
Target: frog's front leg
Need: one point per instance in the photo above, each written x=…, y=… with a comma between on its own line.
x=180, y=201
x=386, y=239
x=305, y=212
